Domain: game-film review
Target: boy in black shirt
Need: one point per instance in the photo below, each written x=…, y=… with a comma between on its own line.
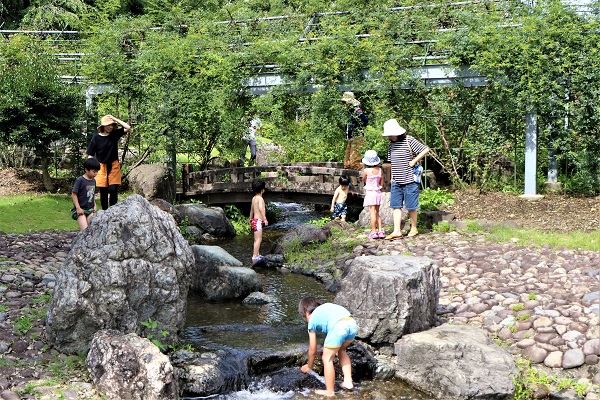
x=83, y=193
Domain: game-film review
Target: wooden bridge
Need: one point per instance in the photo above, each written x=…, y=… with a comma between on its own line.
x=312, y=183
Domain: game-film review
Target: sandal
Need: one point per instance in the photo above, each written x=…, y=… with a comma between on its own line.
x=381, y=234
x=344, y=387
x=374, y=235
x=412, y=233
x=392, y=236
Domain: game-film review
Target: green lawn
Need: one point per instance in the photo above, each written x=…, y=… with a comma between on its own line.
x=33, y=212
x=36, y=212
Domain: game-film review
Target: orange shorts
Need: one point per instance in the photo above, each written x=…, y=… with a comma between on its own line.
x=114, y=177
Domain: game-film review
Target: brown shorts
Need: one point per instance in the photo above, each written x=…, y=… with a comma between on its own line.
x=114, y=176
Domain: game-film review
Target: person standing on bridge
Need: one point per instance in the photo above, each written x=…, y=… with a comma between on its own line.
x=404, y=153
x=254, y=127
x=354, y=131
x=104, y=147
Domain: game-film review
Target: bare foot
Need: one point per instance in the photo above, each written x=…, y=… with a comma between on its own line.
x=325, y=393
x=347, y=386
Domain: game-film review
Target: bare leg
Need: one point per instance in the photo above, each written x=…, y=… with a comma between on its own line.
x=397, y=215
x=379, y=225
x=257, y=241
x=413, y=219
x=346, y=365
x=373, y=215
x=82, y=221
x=329, y=372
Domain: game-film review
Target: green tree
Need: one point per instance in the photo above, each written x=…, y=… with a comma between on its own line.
x=36, y=109
x=54, y=14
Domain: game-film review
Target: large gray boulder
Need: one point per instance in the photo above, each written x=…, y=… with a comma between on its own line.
x=210, y=221
x=390, y=296
x=218, y=276
x=129, y=266
x=152, y=181
x=128, y=367
x=456, y=362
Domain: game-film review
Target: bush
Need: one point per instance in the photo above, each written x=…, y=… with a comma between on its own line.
x=430, y=200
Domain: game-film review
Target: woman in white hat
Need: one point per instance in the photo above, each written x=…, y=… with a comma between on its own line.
x=404, y=153
x=104, y=147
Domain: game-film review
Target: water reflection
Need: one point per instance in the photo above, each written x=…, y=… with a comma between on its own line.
x=270, y=326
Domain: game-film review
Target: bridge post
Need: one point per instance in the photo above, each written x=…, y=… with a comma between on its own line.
x=185, y=172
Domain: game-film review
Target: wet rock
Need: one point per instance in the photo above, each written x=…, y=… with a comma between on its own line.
x=218, y=276
x=207, y=220
x=199, y=374
x=258, y=298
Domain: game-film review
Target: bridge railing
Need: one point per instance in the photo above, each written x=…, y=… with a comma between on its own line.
x=313, y=182
x=274, y=175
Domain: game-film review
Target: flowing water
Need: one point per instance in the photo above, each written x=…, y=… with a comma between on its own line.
x=239, y=330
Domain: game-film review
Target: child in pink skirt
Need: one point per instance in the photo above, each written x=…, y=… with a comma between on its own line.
x=372, y=177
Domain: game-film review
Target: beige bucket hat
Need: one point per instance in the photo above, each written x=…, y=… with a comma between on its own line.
x=348, y=97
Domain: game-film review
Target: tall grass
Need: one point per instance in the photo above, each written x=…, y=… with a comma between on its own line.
x=22, y=213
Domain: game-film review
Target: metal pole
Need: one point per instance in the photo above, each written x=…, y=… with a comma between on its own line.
x=531, y=154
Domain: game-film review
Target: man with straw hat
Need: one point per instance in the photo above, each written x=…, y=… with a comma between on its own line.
x=354, y=131
x=104, y=147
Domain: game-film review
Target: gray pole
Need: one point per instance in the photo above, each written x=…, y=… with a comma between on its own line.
x=531, y=154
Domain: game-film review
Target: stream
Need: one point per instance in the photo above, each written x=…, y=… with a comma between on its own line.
x=239, y=330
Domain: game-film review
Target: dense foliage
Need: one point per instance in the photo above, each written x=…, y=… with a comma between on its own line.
x=180, y=72
x=37, y=111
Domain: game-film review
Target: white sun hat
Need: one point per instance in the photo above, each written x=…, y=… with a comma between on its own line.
x=391, y=127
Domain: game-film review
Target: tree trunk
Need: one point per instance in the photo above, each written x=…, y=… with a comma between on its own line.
x=46, y=179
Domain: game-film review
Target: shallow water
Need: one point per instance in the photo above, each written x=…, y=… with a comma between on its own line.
x=238, y=329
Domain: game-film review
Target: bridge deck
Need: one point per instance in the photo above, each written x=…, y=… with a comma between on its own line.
x=298, y=182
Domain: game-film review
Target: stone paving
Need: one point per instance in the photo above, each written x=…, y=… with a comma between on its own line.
x=542, y=303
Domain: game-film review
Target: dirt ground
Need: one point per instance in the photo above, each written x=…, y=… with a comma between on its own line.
x=553, y=212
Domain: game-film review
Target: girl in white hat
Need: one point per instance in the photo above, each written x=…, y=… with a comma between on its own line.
x=372, y=178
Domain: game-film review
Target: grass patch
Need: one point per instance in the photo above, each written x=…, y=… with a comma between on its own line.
x=443, y=226
x=530, y=377
x=36, y=212
x=534, y=237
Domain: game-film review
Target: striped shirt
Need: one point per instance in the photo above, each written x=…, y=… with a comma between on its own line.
x=399, y=155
